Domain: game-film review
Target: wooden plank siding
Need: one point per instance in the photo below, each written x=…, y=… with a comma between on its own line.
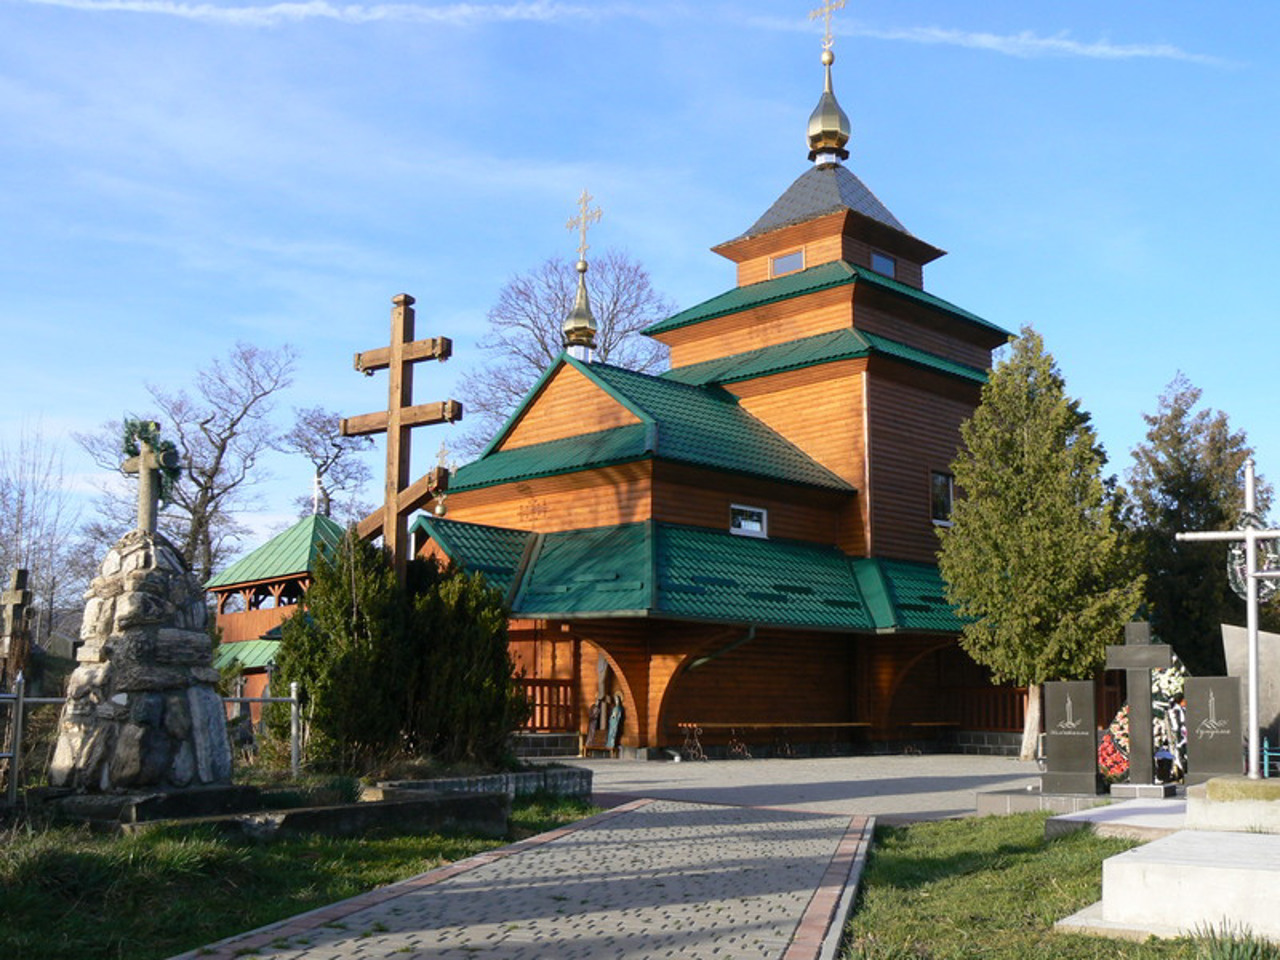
x=252, y=624
x=569, y=405
x=878, y=312
x=914, y=422
x=588, y=498
x=764, y=326
x=701, y=498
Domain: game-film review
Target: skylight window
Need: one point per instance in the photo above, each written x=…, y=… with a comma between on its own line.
x=748, y=521
x=786, y=263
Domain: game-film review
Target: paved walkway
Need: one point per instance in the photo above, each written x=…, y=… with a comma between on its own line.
x=731, y=859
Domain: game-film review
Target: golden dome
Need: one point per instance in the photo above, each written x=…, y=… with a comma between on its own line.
x=829, y=128
x=580, y=325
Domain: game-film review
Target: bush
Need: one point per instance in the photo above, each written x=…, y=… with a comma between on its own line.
x=386, y=670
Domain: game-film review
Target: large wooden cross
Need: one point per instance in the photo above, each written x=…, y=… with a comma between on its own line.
x=147, y=465
x=15, y=603
x=399, y=498
x=1137, y=658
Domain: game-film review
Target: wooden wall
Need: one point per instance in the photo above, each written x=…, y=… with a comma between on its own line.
x=252, y=624
x=589, y=498
x=888, y=316
x=569, y=405
x=914, y=423
x=762, y=326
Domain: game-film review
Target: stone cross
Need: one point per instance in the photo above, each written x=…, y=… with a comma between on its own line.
x=1250, y=534
x=147, y=465
x=15, y=602
x=399, y=498
x=1137, y=658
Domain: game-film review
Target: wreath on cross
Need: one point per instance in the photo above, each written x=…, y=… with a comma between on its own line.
x=138, y=432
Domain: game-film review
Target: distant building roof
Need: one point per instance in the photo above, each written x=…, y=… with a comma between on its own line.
x=284, y=555
x=811, y=351
x=836, y=273
x=247, y=654
x=662, y=570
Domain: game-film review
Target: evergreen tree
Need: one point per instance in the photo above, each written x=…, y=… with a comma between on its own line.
x=386, y=670
x=1188, y=476
x=1033, y=558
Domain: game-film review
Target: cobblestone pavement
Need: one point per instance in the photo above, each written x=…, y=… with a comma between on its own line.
x=651, y=878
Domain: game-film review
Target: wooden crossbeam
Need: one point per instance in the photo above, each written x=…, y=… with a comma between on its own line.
x=400, y=417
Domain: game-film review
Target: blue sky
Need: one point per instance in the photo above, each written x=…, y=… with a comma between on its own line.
x=177, y=176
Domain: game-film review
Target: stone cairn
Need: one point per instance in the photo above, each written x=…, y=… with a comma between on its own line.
x=142, y=710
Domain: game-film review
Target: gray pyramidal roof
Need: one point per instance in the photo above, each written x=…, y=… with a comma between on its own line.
x=819, y=191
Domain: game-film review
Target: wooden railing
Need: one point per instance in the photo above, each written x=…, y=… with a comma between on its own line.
x=986, y=708
x=552, y=703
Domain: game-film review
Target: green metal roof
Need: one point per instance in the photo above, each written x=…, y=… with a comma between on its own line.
x=247, y=654
x=811, y=351
x=837, y=273
x=495, y=552
x=286, y=554
x=702, y=425
x=662, y=570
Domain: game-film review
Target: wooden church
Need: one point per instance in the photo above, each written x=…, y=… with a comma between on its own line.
x=746, y=545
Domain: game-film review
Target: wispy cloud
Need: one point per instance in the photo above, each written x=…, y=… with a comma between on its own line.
x=1026, y=44
x=274, y=14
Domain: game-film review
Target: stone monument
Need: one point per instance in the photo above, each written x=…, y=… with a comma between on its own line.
x=1070, y=739
x=1137, y=657
x=142, y=710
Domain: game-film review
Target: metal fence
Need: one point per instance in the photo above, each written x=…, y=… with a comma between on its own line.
x=18, y=703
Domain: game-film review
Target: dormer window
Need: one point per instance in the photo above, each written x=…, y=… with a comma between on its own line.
x=786, y=263
x=883, y=263
x=748, y=521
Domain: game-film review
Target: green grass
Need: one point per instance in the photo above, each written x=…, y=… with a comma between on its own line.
x=991, y=888
x=65, y=892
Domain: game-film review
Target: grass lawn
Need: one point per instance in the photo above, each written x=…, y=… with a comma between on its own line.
x=67, y=893
x=992, y=888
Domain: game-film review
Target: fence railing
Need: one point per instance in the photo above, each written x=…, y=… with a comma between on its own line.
x=551, y=703
x=19, y=702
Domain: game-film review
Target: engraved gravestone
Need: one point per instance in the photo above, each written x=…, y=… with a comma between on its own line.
x=1070, y=740
x=1215, y=742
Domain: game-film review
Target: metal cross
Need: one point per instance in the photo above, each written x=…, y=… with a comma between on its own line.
x=825, y=11
x=399, y=498
x=585, y=218
x=1250, y=535
x=147, y=465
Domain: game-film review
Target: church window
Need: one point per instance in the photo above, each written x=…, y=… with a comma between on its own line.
x=883, y=263
x=786, y=263
x=748, y=521
x=942, y=492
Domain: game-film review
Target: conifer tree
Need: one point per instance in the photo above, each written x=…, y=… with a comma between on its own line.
x=1033, y=557
x=1188, y=476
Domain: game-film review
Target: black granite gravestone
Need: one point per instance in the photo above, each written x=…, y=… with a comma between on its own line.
x=1215, y=735
x=1137, y=658
x=1070, y=739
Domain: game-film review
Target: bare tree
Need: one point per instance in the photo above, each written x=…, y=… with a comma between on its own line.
x=525, y=333
x=38, y=519
x=221, y=430
x=339, y=471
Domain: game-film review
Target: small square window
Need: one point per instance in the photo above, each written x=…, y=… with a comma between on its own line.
x=942, y=489
x=787, y=263
x=883, y=263
x=748, y=521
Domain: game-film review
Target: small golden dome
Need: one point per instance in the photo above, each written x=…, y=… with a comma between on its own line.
x=580, y=325
x=829, y=128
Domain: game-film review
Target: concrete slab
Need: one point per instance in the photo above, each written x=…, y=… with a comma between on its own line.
x=1132, y=819
x=1188, y=881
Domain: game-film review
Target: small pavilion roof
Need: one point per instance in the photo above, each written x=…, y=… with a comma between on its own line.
x=287, y=554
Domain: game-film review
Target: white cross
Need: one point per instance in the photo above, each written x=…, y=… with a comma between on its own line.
x=1250, y=537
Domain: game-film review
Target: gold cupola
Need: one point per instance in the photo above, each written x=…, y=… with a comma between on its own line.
x=829, y=128
x=580, y=324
